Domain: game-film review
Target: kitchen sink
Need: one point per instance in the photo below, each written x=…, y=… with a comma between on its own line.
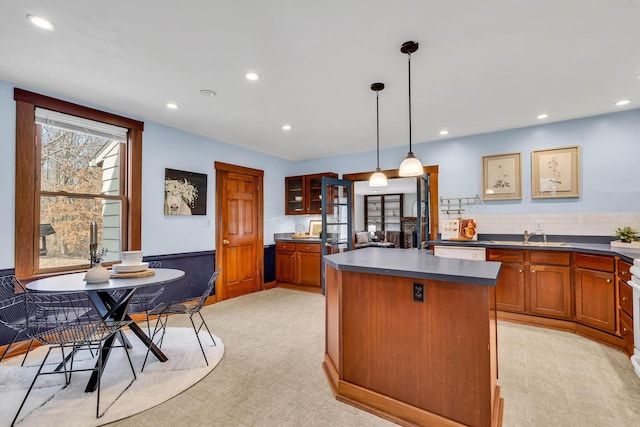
x=512, y=243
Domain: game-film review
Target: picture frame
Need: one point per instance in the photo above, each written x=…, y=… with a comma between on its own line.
x=502, y=177
x=185, y=193
x=315, y=226
x=555, y=173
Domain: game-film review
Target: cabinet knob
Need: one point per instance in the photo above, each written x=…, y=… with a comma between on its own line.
x=608, y=280
x=533, y=271
x=520, y=271
x=625, y=330
x=623, y=272
x=225, y=242
x=625, y=299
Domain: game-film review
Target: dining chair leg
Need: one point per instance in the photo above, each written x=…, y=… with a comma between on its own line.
x=13, y=340
x=31, y=387
x=198, y=335
x=162, y=325
x=24, y=359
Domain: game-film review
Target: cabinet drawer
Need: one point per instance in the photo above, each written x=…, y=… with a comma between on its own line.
x=626, y=298
x=512, y=255
x=623, y=270
x=285, y=246
x=595, y=262
x=550, y=257
x=626, y=331
x=308, y=247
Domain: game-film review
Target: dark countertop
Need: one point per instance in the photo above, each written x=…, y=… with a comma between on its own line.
x=627, y=255
x=306, y=240
x=415, y=264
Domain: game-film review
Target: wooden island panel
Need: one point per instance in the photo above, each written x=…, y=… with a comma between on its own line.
x=414, y=363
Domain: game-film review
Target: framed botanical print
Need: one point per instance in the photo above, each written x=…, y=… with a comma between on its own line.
x=501, y=177
x=555, y=173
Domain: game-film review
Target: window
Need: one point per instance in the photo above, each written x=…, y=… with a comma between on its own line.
x=75, y=166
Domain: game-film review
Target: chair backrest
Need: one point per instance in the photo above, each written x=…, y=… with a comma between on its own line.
x=13, y=311
x=155, y=264
x=58, y=310
x=207, y=291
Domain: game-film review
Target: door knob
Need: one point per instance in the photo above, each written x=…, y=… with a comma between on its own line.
x=225, y=242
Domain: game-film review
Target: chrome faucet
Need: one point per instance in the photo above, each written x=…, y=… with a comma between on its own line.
x=528, y=235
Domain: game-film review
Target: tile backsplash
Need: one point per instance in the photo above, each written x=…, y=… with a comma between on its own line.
x=580, y=224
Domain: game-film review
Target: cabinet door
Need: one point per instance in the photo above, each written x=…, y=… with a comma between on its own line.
x=313, y=193
x=595, y=299
x=510, y=288
x=308, y=268
x=550, y=291
x=285, y=266
x=294, y=195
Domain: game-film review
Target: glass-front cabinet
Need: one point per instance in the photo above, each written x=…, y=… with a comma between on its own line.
x=303, y=194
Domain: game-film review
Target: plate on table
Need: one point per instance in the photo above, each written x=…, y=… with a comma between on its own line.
x=130, y=268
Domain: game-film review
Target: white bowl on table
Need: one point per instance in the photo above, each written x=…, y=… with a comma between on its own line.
x=131, y=257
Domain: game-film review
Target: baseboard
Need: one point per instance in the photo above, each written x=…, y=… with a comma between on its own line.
x=269, y=285
x=312, y=289
x=565, y=326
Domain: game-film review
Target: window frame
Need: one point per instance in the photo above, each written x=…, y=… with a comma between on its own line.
x=27, y=193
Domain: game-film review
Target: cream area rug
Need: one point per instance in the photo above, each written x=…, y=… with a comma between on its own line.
x=51, y=404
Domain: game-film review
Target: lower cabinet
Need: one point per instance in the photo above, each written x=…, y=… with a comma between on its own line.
x=533, y=282
x=595, y=292
x=298, y=263
x=550, y=291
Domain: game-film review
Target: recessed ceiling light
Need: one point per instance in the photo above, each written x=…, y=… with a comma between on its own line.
x=172, y=106
x=623, y=102
x=286, y=127
x=542, y=116
x=41, y=22
x=444, y=132
x=252, y=76
x=207, y=92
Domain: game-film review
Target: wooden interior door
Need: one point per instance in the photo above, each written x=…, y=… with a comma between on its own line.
x=239, y=230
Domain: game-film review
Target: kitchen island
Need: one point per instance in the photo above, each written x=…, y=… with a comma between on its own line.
x=412, y=337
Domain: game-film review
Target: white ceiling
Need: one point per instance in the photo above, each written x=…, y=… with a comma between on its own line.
x=482, y=66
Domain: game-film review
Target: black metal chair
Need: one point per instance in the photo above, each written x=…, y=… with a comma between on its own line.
x=13, y=311
x=70, y=321
x=143, y=299
x=190, y=307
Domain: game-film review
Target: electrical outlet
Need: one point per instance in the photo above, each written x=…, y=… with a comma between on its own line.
x=539, y=225
x=418, y=292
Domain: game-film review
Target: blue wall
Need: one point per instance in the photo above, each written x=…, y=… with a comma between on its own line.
x=610, y=166
x=610, y=175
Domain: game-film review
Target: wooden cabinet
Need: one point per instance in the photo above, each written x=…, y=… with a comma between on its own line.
x=550, y=283
x=533, y=282
x=303, y=193
x=384, y=211
x=595, y=291
x=298, y=263
x=625, y=306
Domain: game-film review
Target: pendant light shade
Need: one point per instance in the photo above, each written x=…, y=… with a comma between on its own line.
x=411, y=165
x=378, y=179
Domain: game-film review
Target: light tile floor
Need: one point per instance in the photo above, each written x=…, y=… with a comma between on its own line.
x=271, y=374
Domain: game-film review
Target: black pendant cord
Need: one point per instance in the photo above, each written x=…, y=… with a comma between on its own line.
x=410, y=150
x=377, y=133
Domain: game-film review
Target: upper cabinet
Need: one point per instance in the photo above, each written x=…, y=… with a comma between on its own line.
x=303, y=194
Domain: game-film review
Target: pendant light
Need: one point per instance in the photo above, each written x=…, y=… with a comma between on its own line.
x=378, y=179
x=410, y=166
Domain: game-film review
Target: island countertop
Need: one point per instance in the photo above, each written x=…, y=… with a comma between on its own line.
x=417, y=264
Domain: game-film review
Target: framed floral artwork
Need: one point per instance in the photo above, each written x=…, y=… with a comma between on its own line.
x=555, y=173
x=501, y=177
x=185, y=193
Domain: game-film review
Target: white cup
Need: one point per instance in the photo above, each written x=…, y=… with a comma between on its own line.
x=131, y=257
